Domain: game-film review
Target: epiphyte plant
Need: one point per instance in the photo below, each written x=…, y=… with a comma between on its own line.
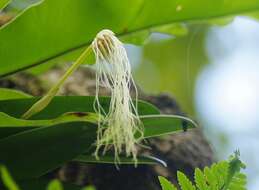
x=118, y=127
x=114, y=73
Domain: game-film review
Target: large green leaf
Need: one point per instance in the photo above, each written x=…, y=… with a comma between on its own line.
x=3, y=3
x=6, y=94
x=11, y=125
x=34, y=152
x=62, y=104
x=60, y=30
x=158, y=125
x=7, y=120
x=167, y=123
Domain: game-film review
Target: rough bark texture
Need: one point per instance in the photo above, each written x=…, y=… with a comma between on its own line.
x=183, y=151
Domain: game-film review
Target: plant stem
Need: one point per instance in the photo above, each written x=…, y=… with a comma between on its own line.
x=45, y=100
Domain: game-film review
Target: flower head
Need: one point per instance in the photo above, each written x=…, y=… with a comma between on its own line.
x=118, y=127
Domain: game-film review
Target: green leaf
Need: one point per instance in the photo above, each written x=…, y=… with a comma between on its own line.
x=11, y=125
x=6, y=93
x=9, y=121
x=158, y=125
x=219, y=172
x=239, y=181
x=200, y=180
x=184, y=182
x=235, y=179
x=42, y=149
x=224, y=175
x=211, y=178
x=89, y=188
x=8, y=181
x=62, y=104
x=34, y=152
x=155, y=125
x=165, y=184
x=55, y=185
x=3, y=4
x=65, y=28
x=109, y=159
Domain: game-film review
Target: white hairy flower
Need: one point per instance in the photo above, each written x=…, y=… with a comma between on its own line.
x=118, y=128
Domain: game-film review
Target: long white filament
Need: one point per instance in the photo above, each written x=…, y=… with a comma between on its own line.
x=118, y=128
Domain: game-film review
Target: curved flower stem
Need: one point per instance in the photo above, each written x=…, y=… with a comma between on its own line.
x=45, y=100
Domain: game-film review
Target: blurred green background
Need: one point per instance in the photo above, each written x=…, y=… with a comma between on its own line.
x=213, y=72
